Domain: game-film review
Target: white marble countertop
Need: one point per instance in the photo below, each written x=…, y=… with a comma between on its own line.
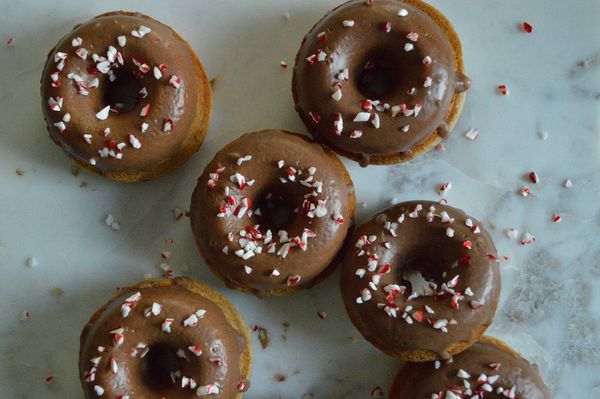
x=550, y=306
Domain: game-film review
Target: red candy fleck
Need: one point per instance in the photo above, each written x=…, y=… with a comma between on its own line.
x=502, y=89
x=533, y=177
x=465, y=259
x=315, y=117
x=527, y=27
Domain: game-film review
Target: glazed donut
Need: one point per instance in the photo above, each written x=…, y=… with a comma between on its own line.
x=174, y=338
x=126, y=97
x=421, y=280
x=271, y=211
x=380, y=81
x=489, y=369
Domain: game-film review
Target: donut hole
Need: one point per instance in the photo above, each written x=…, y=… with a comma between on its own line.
x=277, y=209
x=379, y=75
x=428, y=265
x=122, y=93
x=158, y=365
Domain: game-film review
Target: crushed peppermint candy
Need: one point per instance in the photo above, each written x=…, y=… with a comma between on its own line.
x=31, y=262
x=141, y=32
x=472, y=133
x=103, y=113
x=112, y=223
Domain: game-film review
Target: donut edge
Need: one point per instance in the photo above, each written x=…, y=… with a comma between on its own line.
x=198, y=288
x=454, y=108
x=197, y=131
x=329, y=269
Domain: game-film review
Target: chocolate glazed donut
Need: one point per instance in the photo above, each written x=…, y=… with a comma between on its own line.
x=174, y=338
x=271, y=212
x=380, y=81
x=489, y=369
x=421, y=280
x=126, y=97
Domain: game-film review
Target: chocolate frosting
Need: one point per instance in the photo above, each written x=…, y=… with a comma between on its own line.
x=407, y=69
x=231, y=221
x=503, y=369
x=454, y=255
x=79, y=85
x=117, y=368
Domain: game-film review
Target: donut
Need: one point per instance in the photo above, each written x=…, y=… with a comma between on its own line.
x=126, y=97
x=271, y=212
x=489, y=369
x=421, y=280
x=381, y=81
x=174, y=338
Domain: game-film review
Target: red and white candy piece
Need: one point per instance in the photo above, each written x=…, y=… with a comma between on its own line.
x=168, y=125
x=293, y=280
x=145, y=110
x=174, y=82
x=210, y=389
x=444, y=188
x=195, y=349
x=166, y=325
x=412, y=36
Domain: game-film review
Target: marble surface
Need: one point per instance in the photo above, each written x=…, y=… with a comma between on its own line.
x=550, y=302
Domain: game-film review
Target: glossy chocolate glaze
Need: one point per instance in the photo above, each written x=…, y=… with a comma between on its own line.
x=218, y=238
x=401, y=71
x=423, y=380
x=178, y=104
x=221, y=345
x=421, y=245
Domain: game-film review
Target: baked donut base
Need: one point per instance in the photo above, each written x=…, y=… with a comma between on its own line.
x=189, y=146
x=401, y=378
x=197, y=288
x=321, y=276
x=425, y=355
x=454, y=108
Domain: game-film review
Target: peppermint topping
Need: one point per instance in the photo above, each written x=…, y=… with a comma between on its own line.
x=399, y=301
x=103, y=113
x=141, y=32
